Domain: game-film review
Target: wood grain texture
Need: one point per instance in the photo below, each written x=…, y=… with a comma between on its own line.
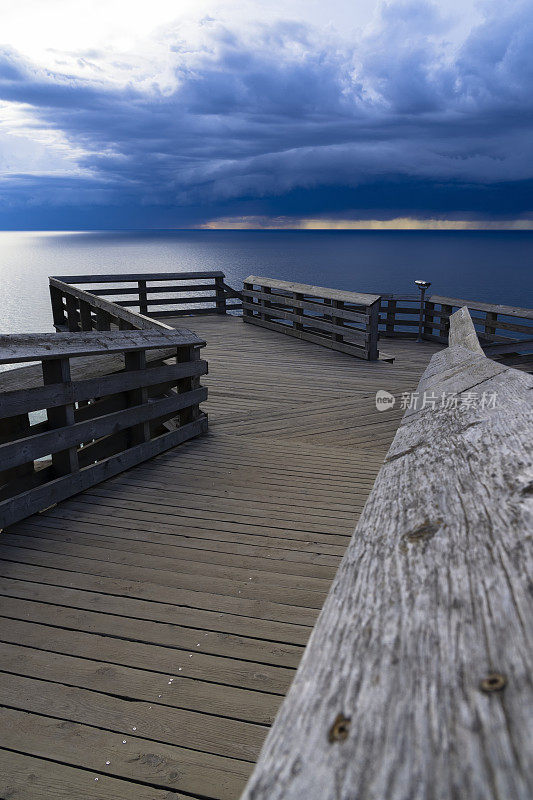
x=433, y=597
x=275, y=303
x=511, y=311
x=80, y=304
x=462, y=332
x=136, y=276
x=359, y=298
x=181, y=594
x=17, y=348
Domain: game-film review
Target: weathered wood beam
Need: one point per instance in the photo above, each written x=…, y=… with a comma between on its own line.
x=357, y=298
x=139, y=276
x=16, y=348
x=13, y=454
x=508, y=311
x=416, y=683
x=308, y=305
x=138, y=321
x=267, y=302
x=462, y=332
x=58, y=394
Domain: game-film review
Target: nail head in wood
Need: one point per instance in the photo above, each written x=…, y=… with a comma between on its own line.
x=494, y=682
x=339, y=730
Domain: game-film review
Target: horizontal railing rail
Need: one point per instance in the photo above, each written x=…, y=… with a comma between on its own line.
x=399, y=316
x=415, y=682
x=504, y=332
x=151, y=295
x=99, y=403
x=344, y=321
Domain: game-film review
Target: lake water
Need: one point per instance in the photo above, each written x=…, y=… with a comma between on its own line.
x=475, y=265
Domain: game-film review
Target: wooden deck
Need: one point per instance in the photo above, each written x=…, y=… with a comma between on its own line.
x=152, y=625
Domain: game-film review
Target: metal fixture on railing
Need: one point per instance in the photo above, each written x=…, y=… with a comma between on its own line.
x=422, y=285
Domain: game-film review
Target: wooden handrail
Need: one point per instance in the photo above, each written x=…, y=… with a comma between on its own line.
x=510, y=311
x=17, y=348
x=83, y=309
x=416, y=680
x=139, y=395
x=140, y=276
x=462, y=332
x=70, y=315
x=344, y=321
x=504, y=331
x=321, y=292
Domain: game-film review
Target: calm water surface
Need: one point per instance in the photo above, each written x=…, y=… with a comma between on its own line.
x=475, y=265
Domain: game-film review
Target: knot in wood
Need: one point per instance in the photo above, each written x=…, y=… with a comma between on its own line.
x=423, y=532
x=339, y=730
x=494, y=682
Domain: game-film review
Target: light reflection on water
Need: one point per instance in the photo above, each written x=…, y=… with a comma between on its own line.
x=495, y=266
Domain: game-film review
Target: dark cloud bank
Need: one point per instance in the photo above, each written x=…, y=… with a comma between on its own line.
x=285, y=120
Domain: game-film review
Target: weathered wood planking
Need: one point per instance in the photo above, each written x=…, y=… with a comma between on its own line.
x=416, y=682
x=206, y=565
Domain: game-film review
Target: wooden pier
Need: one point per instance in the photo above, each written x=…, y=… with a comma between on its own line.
x=153, y=623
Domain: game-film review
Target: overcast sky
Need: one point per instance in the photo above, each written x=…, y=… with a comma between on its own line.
x=188, y=113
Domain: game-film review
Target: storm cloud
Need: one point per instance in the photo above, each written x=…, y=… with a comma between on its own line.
x=280, y=119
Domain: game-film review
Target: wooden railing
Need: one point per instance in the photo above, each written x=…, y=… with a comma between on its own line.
x=149, y=295
x=399, y=316
x=345, y=321
x=126, y=396
x=416, y=680
x=503, y=331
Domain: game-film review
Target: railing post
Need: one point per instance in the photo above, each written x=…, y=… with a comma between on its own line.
x=491, y=318
x=298, y=311
x=337, y=337
x=265, y=303
x=138, y=433
x=103, y=320
x=246, y=312
x=429, y=318
x=57, y=370
x=372, y=330
x=72, y=313
x=86, y=318
x=220, y=296
x=143, y=298
x=58, y=308
x=187, y=354
x=391, y=317
x=446, y=312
